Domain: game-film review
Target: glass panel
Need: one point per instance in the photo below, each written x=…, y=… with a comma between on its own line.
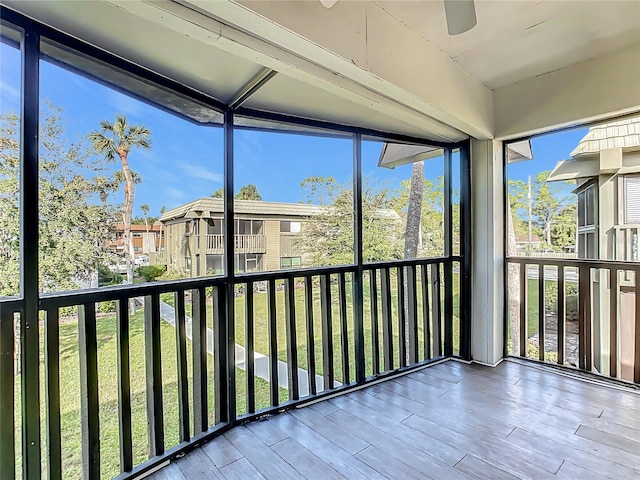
x=10, y=67
x=295, y=190
x=388, y=215
x=125, y=183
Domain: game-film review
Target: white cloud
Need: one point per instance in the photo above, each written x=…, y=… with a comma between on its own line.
x=201, y=173
x=124, y=104
x=11, y=91
x=173, y=194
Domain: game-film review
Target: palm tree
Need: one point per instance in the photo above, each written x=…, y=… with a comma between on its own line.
x=116, y=140
x=144, y=208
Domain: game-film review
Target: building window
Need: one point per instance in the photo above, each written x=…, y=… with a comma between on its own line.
x=632, y=199
x=289, y=227
x=290, y=262
x=588, y=222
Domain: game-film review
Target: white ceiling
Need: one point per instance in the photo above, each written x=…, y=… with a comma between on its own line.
x=519, y=39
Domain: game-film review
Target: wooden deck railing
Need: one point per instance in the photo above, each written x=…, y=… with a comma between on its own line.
x=586, y=313
x=627, y=243
x=330, y=328
x=243, y=243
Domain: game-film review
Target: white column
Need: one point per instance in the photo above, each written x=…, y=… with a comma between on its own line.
x=487, y=272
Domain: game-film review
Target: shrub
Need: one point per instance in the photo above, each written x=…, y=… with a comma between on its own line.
x=173, y=274
x=107, y=307
x=551, y=294
x=107, y=277
x=151, y=272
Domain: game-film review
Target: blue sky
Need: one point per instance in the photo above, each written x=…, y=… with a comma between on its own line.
x=185, y=161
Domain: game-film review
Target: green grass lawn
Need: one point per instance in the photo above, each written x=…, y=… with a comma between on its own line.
x=108, y=394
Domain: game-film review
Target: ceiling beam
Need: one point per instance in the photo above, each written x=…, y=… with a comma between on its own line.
x=251, y=87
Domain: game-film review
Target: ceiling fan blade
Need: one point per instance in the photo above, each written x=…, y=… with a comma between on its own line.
x=328, y=3
x=461, y=16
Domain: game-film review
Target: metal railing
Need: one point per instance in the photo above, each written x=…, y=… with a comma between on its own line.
x=330, y=329
x=579, y=313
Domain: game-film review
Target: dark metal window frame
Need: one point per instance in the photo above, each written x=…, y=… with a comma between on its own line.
x=30, y=301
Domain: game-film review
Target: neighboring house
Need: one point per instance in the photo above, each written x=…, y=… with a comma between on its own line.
x=264, y=239
x=523, y=244
x=606, y=168
x=143, y=242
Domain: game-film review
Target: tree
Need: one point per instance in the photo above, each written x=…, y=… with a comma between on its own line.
x=144, y=208
x=116, y=140
x=75, y=220
x=219, y=193
x=328, y=235
x=414, y=211
x=248, y=192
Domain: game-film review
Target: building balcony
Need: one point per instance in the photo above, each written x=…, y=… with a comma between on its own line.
x=243, y=244
x=627, y=243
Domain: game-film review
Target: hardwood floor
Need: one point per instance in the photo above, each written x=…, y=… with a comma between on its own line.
x=448, y=421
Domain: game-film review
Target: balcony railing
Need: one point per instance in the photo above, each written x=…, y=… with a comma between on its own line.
x=243, y=244
x=293, y=336
x=627, y=243
x=578, y=313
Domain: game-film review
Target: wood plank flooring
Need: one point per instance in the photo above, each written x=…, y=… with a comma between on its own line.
x=447, y=421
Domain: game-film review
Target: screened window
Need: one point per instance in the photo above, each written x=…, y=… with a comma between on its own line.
x=632, y=199
x=588, y=222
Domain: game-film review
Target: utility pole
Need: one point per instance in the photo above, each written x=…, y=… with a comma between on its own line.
x=530, y=198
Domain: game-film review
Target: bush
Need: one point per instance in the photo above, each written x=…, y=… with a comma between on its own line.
x=107, y=277
x=551, y=294
x=107, y=307
x=151, y=272
x=173, y=274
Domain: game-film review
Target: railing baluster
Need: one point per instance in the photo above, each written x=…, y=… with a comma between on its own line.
x=155, y=416
x=311, y=348
x=327, y=331
x=613, y=322
x=124, y=386
x=199, y=354
x=7, y=395
x=375, y=338
x=273, y=345
x=292, y=343
x=447, y=268
x=412, y=313
x=435, y=308
x=523, y=309
x=52, y=393
x=222, y=377
x=387, y=332
x=426, y=312
x=584, y=317
x=249, y=348
x=541, y=316
x=562, y=321
x=181, y=354
x=89, y=409
x=402, y=327
x=344, y=328
x=636, y=360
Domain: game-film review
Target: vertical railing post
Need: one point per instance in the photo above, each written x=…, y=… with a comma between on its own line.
x=448, y=249
x=387, y=330
x=613, y=322
x=344, y=328
x=524, y=313
x=273, y=343
x=181, y=358
x=541, y=312
x=199, y=353
x=249, y=349
x=436, y=319
x=584, y=317
x=402, y=315
x=465, y=250
x=52, y=394
x=155, y=416
x=124, y=386
x=311, y=347
x=412, y=313
x=327, y=331
x=375, y=338
x=29, y=225
x=7, y=393
x=357, y=277
x=291, y=338
x=226, y=349
x=426, y=311
x=89, y=410
x=562, y=324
